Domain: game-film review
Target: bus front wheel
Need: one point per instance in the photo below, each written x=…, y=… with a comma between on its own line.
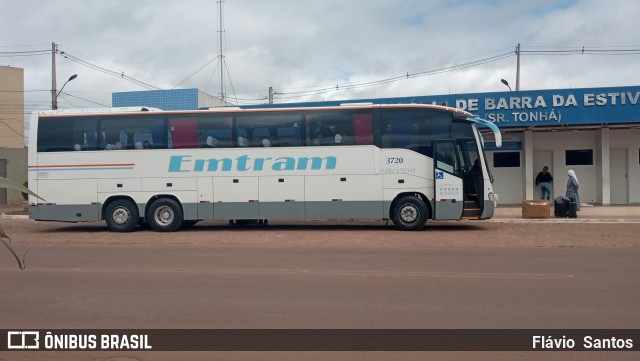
x=410, y=213
x=122, y=216
x=164, y=215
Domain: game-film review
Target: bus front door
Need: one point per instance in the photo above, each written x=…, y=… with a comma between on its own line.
x=448, y=199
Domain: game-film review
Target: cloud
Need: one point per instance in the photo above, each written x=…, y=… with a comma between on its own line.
x=292, y=45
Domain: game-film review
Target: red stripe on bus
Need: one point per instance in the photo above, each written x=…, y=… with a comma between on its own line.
x=82, y=165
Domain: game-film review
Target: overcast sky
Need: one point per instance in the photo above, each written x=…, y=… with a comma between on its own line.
x=307, y=45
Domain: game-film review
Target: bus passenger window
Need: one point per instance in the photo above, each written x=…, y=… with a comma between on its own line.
x=214, y=132
x=270, y=129
x=183, y=132
x=66, y=134
x=339, y=127
x=124, y=132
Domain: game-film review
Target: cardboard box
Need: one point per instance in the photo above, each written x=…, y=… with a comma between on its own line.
x=536, y=209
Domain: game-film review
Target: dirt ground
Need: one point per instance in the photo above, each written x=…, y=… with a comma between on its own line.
x=495, y=233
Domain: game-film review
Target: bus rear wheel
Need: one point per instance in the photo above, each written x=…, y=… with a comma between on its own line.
x=164, y=215
x=410, y=213
x=122, y=216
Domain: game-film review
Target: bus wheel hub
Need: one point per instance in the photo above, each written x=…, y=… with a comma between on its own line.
x=164, y=215
x=121, y=215
x=409, y=213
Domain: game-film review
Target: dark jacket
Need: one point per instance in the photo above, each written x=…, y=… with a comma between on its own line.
x=544, y=178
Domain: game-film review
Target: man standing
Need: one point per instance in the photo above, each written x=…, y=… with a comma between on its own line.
x=544, y=180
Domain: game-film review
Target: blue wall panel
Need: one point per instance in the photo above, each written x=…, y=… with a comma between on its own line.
x=175, y=99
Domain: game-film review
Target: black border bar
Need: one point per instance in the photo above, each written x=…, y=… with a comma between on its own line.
x=321, y=340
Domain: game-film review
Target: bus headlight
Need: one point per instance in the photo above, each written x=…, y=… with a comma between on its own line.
x=493, y=198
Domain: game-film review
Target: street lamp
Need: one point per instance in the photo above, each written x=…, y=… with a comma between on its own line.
x=505, y=83
x=55, y=100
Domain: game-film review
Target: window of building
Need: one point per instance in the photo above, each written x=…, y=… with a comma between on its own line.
x=579, y=157
x=506, y=159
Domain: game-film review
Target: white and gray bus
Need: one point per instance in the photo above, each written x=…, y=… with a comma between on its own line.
x=406, y=163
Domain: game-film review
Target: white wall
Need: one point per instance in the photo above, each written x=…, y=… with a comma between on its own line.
x=630, y=139
x=508, y=182
x=558, y=142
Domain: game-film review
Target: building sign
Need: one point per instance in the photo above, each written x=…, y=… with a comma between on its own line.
x=557, y=107
x=554, y=107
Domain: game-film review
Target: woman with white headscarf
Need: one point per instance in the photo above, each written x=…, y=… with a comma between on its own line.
x=572, y=188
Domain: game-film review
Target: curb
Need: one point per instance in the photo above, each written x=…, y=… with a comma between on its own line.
x=563, y=220
x=15, y=216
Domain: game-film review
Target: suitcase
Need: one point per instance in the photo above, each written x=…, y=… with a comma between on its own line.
x=572, y=212
x=561, y=207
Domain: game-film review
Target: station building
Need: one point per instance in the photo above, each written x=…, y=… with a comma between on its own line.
x=594, y=131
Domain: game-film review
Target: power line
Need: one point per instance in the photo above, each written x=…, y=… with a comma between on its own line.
x=22, y=55
x=26, y=52
x=23, y=91
x=86, y=100
x=21, y=46
x=405, y=76
x=584, y=51
x=97, y=62
x=11, y=54
x=64, y=96
x=635, y=50
x=107, y=71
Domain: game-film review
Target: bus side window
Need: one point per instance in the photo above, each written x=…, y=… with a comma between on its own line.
x=386, y=134
x=184, y=133
x=270, y=129
x=123, y=132
x=66, y=134
x=214, y=132
x=362, y=130
x=339, y=127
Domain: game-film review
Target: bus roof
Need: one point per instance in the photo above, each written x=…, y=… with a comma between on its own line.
x=97, y=110
x=234, y=109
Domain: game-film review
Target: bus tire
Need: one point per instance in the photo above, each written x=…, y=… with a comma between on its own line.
x=122, y=216
x=164, y=215
x=410, y=214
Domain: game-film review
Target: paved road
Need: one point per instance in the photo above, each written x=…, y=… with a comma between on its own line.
x=114, y=286
x=487, y=275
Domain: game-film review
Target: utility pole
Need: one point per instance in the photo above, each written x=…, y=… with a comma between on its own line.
x=54, y=100
x=272, y=93
x=221, y=31
x=518, y=68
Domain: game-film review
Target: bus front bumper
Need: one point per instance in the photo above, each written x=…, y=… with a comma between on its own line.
x=489, y=206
